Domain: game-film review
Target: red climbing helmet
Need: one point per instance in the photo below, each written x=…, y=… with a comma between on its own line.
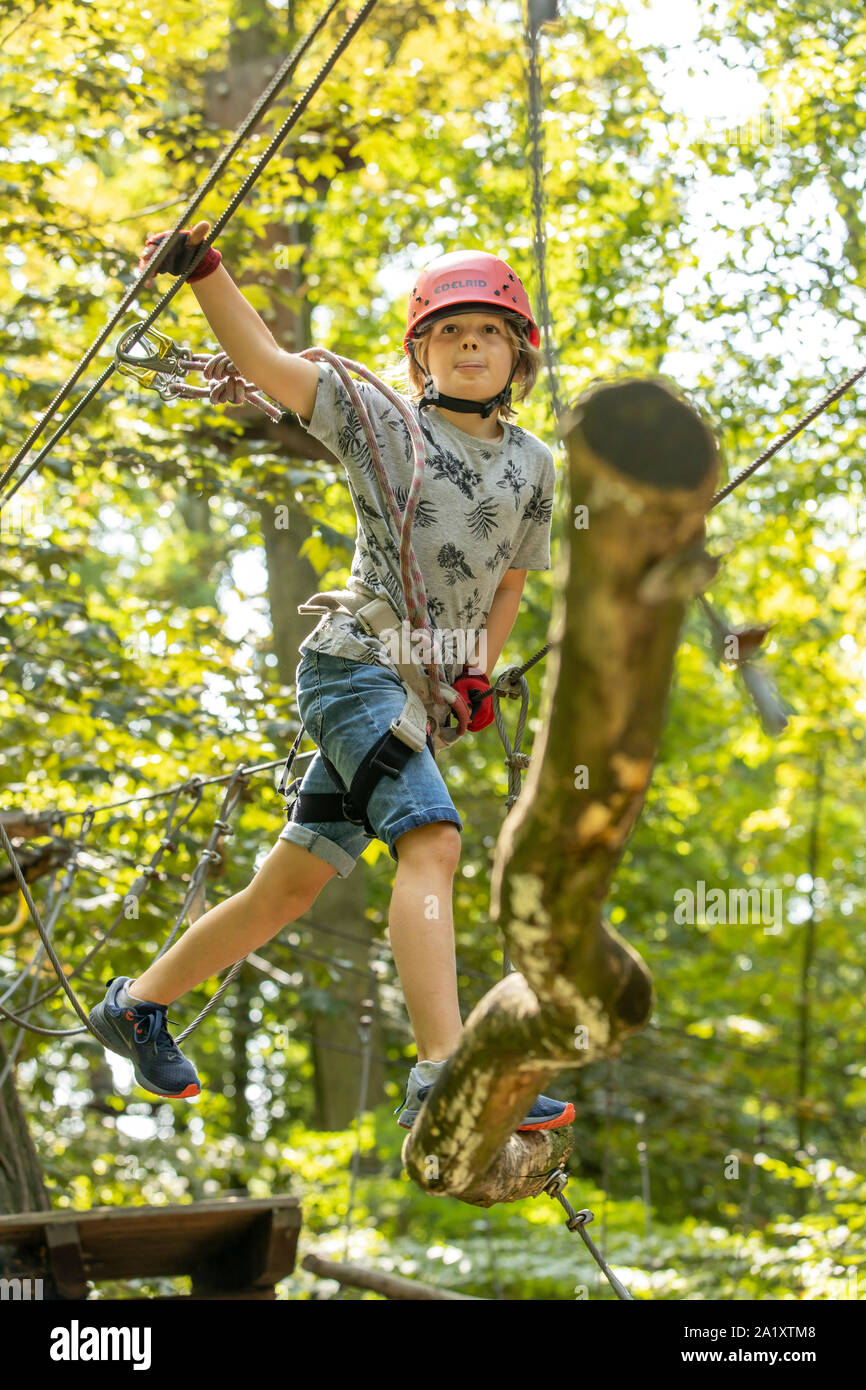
x=473, y=280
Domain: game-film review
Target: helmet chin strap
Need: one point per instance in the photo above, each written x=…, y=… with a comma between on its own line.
x=433, y=396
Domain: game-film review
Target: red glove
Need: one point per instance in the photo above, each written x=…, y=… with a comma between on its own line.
x=181, y=256
x=470, y=679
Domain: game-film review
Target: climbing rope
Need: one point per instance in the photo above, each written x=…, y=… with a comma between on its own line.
x=188, y=785
x=537, y=13
x=237, y=783
x=167, y=246
x=414, y=588
x=150, y=873
x=53, y=905
x=55, y=899
x=49, y=951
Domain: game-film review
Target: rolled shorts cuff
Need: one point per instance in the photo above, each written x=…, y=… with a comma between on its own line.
x=430, y=815
x=320, y=845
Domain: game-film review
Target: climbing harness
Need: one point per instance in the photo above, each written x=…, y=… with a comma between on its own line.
x=387, y=757
x=430, y=700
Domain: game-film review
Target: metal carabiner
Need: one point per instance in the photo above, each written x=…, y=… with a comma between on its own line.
x=153, y=361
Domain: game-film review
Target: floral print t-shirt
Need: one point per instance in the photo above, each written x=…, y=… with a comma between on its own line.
x=484, y=508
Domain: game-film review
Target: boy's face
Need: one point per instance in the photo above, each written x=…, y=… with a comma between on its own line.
x=469, y=355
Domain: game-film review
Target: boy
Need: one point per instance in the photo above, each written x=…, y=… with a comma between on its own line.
x=483, y=519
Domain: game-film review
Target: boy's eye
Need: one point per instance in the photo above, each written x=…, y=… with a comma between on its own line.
x=455, y=326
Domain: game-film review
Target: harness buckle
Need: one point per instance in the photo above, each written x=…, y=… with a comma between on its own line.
x=408, y=732
x=290, y=795
x=350, y=811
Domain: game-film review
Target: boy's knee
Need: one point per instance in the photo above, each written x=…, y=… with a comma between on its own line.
x=438, y=842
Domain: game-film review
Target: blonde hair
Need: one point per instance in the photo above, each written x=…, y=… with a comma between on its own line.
x=410, y=380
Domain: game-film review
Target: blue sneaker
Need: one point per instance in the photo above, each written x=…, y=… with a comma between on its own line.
x=136, y=1029
x=545, y=1113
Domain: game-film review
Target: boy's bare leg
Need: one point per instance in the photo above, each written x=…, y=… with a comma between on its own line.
x=421, y=930
x=285, y=887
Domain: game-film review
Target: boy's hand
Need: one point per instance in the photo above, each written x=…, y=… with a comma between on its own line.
x=182, y=254
x=472, y=679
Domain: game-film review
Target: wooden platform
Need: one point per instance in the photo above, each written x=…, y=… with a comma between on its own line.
x=234, y=1248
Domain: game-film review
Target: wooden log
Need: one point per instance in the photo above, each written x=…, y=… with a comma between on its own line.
x=233, y=1295
x=66, y=1259
x=391, y=1285
x=643, y=468
x=226, y=1245
x=34, y=864
x=27, y=825
x=263, y=1254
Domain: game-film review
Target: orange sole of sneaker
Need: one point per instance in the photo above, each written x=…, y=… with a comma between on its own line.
x=566, y=1118
x=190, y=1090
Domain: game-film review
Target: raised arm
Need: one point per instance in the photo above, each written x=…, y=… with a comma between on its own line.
x=245, y=336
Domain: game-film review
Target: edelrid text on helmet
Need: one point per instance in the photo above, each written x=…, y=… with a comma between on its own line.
x=460, y=285
x=466, y=278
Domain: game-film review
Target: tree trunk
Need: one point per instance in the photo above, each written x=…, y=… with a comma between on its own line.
x=806, y=983
x=21, y=1185
x=241, y=1026
x=643, y=466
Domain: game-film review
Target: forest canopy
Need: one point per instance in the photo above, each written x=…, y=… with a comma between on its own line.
x=147, y=597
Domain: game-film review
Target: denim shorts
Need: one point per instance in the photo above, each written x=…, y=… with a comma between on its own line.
x=346, y=707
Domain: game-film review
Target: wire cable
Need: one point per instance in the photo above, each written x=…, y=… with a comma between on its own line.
x=265, y=100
